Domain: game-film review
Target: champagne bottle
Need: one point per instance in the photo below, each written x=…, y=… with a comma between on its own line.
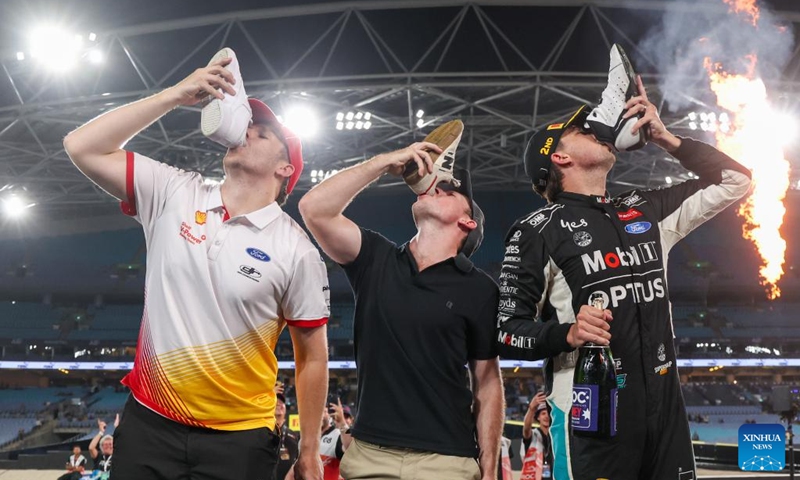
x=594, y=389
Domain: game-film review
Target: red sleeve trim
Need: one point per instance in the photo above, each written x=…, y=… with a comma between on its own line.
x=129, y=206
x=308, y=323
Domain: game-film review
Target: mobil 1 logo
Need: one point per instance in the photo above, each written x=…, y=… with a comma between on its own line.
x=762, y=447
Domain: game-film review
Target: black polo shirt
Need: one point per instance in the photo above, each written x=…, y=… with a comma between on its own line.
x=414, y=334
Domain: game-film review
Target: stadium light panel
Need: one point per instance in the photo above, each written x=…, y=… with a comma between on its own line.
x=303, y=121
x=55, y=48
x=358, y=120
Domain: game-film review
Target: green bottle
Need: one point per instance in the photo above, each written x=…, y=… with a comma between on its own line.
x=594, y=389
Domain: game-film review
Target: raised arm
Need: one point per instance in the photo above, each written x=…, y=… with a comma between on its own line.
x=323, y=207
x=101, y=426
x=96, y=147
x=530, y=415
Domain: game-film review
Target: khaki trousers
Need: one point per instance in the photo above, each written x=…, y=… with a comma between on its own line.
x=365, y=461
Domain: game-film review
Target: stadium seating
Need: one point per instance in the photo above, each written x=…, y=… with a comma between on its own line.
x=107, y=401
x=10, y=428
x=28, y=321
x=22, y=400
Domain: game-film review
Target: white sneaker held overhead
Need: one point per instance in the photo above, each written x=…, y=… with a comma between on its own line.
x=225, y=120
x=605, y=120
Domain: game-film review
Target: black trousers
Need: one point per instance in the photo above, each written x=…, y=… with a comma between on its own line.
x=148, y=446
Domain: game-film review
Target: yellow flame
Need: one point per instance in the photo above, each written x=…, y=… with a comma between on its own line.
x=751, y=140
x=748, y=7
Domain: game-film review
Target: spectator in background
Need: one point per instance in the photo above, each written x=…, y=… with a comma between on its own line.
x=504, y=471
x=102, y=458
x=331, y=449
x=343, y=420
x=537, y=447
x=75, y=465
x=348, y=416
x=288, y=451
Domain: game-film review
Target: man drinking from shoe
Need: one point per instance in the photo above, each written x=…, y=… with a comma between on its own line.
x=227, y=269
x=585, y=243
x=423, y=312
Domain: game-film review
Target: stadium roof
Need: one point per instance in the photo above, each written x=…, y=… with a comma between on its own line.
x=505, y=67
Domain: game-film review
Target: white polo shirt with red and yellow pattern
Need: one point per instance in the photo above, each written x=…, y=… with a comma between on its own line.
x=218, y=292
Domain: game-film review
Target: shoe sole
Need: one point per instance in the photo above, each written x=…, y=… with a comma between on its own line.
x=443, y=136
x=628, y=66
x=211, y=114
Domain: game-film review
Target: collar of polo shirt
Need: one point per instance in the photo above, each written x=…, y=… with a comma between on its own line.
x=260, y=218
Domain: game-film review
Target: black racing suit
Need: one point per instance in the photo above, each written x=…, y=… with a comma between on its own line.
x=557, y=256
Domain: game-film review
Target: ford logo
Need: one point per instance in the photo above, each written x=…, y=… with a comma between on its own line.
x=259, y=255
x=638, y=227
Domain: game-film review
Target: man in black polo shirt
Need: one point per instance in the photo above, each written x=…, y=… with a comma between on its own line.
x=423, y=312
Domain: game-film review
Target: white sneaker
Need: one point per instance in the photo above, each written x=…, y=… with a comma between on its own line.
x=225, y=121
x=446, y=137
x=605, y=120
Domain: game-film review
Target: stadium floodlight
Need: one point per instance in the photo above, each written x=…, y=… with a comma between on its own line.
x=95, y=56
x=302, y=120
x=420, y=113
x=14, y=206
x=668, y=180
x=55, y=48
x=709, y=121
x=320, y=175
x=420, y=123
x=20, y=56
x=92, y=36
x=356, y=119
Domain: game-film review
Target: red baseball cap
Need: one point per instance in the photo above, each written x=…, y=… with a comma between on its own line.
x=263, y=114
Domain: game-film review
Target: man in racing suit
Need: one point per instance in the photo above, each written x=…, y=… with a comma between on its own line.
x=584, y=242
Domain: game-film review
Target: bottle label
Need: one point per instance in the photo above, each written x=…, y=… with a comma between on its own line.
x=584, y=407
